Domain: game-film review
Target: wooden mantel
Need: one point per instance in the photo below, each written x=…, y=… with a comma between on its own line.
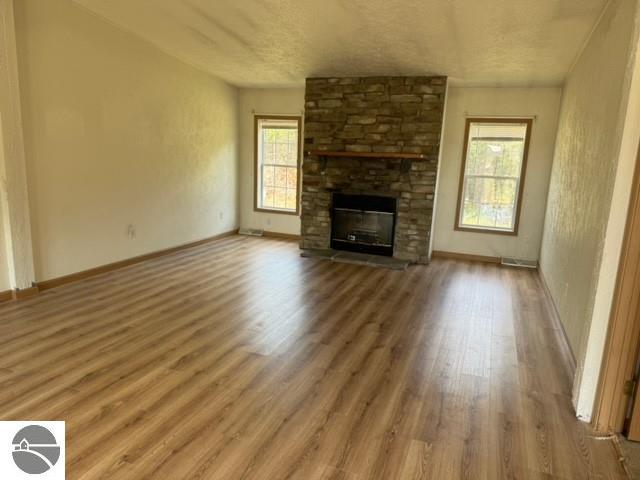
x=329, y=153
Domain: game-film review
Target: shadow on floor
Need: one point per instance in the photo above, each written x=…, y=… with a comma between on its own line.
x=629, y=456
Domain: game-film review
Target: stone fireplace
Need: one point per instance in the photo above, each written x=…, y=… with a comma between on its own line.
x=372, y=137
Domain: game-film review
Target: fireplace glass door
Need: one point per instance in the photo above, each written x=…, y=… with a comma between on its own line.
x=363, y=223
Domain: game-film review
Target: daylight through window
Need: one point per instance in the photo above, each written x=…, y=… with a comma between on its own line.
x=492, y=176
x=277, y=163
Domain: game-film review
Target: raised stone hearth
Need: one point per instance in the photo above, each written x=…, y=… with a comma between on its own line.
x=373, y=115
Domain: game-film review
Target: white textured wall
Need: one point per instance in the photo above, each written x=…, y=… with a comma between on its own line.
x=118, y=133
x=5, y=284
x=544, y=103
x=4, y=269
x=14, y=197
x=587, y=165
x=263, y=101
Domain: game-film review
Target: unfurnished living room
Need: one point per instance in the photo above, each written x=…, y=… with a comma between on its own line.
x=314, y=240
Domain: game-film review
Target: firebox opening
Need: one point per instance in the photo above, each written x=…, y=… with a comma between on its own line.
x=363, y=223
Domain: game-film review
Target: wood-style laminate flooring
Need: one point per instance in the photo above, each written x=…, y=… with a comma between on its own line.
x=241, y=360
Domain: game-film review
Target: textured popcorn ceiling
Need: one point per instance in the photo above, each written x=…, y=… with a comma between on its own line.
x=280, y=42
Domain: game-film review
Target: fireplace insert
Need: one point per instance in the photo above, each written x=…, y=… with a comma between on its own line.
x=363, y=223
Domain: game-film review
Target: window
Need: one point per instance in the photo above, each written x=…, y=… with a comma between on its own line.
x=277, y=151
x=492, y=176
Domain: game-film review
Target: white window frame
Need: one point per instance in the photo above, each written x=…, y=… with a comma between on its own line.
x=258, y=165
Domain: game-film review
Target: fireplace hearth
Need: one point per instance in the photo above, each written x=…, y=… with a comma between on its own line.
x=363, y=223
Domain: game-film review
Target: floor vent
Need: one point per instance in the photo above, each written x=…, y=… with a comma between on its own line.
x=516, y=262
x=254, y=232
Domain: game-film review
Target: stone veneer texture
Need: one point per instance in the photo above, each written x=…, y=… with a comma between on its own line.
x=373, y=114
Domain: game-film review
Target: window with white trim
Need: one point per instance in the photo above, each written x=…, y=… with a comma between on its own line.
x=277, y=152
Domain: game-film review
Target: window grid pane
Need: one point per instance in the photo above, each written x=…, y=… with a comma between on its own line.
x=278, y=164
x=495, y=152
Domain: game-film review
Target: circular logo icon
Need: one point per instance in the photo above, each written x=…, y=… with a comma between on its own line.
x=35, y=450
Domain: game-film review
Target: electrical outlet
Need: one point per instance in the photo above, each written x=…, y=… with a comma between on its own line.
x=131, y=232
x=268, y=222
x=221, y=215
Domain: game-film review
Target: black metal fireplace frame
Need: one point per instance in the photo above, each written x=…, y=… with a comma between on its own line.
x=364, y=203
